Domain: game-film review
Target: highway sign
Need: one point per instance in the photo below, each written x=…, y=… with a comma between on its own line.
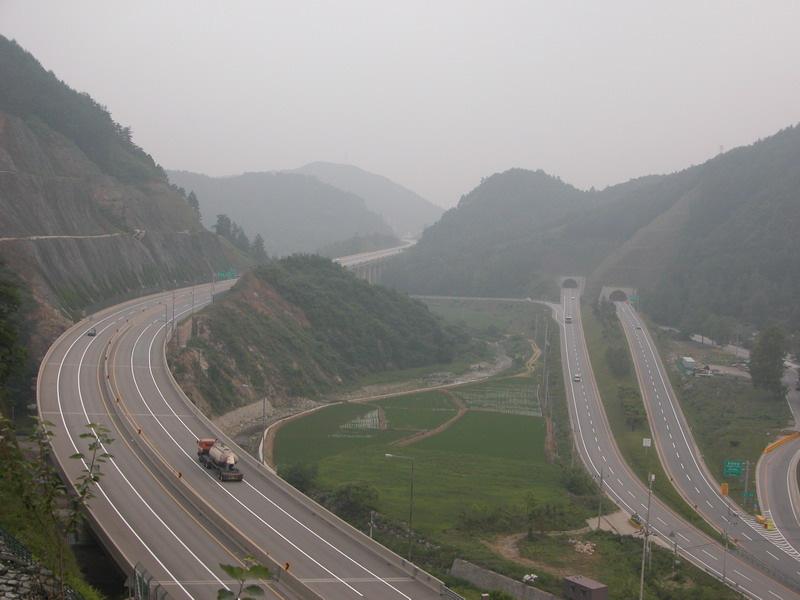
x=733, y=468
x=222, y=275
x=647, y=442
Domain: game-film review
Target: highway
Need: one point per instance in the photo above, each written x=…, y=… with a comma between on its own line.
x=683, y=463
x=776, y=474
x=156, y=505
x=372, y=256
x=599, y=452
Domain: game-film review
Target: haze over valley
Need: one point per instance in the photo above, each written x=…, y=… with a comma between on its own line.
x=350, y=301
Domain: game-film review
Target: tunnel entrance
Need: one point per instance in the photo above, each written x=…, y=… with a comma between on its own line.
x=569, y=283
x=618, y=296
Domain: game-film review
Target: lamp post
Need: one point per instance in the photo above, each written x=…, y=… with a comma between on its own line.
x=650, y=478
x=411, y=503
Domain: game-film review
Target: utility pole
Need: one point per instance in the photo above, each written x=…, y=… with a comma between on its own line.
x=546, y=373
x=651, y=478
x=600, y=499
x=746, y=482
x=411, y=503
x=725, y=555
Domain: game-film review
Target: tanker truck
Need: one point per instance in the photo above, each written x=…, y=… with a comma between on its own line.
x=215, y=455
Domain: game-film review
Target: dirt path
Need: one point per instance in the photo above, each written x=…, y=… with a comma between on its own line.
x=421, y=435
x=507, y=547
x=536, y=352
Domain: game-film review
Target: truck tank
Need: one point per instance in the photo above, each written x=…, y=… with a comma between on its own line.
x=222, y=455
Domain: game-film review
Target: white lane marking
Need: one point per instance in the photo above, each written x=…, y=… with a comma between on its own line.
x=630, y=493
x=204, y=471
x=709, y=504
x=707, y=553
x=272, y=502
x=619, y=481
x=771, y=554
x=742, y=575
x=591, y=465
x=747, y=536
x=774, y=594
x=660, y=520
x=698, y=491
x=99, y=486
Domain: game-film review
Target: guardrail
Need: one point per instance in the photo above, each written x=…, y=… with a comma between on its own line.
x=318, y=511
x=191, y=499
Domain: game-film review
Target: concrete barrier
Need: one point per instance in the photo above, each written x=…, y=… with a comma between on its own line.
x=489, y=580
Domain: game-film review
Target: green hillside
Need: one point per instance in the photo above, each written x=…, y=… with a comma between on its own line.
x=713, y=242
x=302, y=326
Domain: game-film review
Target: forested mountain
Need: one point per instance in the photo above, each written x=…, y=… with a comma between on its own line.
x=405, y=211
x=293, y=213
x=715, y=242
x=495, y=242
x=301, y=326
x=85, y=214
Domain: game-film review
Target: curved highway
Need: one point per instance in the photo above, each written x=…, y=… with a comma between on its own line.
x=684, y=464
x=599, y=452
x=156, y=505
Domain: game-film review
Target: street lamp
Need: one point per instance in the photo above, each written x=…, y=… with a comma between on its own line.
x=411, y=503
x=650, y=479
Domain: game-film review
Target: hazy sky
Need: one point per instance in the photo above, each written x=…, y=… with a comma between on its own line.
x=434, y=95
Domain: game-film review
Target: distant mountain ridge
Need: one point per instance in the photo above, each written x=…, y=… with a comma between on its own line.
x=715, y=242
x=405, y=211
x=293, y=212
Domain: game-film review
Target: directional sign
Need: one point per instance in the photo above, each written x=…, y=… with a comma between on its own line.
x=222, y=275
x=733, y=468
x=647, y=442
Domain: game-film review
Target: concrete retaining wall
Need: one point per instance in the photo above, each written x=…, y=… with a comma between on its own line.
x=489, y=580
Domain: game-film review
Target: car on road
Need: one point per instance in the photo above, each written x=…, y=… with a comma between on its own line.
x=576, y=377
x=92, y=332
x=639, y=327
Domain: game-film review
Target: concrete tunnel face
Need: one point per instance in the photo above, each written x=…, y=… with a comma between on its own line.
x=618, y=296
x=569, y=283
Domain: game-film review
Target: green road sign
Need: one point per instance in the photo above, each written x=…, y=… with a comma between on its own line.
x=732, y=468
x=222, y=275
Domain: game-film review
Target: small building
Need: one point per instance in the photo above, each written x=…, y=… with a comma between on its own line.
x=688, y=364
x=578, y=587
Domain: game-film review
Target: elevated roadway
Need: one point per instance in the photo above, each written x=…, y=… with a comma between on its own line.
x=157, y=506
x=771, y=551
x=599, y=452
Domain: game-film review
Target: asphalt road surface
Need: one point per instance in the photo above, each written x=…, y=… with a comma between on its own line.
x=684, y=465
x=119, y=378
x=599, y=452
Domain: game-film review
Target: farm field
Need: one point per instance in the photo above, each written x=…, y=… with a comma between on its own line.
x=488, y=459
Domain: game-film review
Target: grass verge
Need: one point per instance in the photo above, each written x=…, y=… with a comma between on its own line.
x=729, y=418
x=624, y=415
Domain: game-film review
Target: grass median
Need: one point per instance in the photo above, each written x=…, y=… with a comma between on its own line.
x=619, y=391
